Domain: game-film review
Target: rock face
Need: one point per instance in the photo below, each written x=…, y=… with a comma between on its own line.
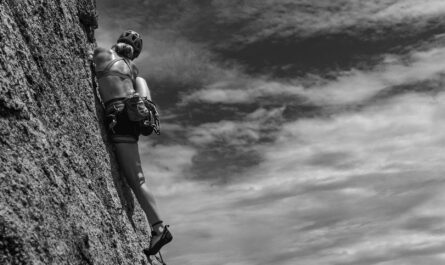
x=61, y=198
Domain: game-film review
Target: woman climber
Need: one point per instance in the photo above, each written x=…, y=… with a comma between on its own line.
x=130, y=112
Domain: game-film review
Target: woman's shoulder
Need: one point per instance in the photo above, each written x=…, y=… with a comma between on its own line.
x=102, y=54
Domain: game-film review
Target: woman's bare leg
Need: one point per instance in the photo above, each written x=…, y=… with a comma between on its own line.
x=130, y=163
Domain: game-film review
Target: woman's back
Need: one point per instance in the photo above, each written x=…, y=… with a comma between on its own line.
x=116, y=75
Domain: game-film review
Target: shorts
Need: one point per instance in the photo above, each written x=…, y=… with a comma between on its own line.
x=123, y=130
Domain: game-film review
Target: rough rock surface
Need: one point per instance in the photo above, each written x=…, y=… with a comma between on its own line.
x=61, y=198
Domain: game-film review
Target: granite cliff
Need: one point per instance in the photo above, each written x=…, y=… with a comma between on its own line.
x=61, y=198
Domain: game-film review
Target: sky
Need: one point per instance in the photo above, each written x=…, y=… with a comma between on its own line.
x=294, y=131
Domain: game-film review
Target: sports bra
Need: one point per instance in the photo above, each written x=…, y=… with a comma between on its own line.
x=106, y=72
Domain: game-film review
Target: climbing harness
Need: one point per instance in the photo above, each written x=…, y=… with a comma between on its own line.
x=152, y=122
x=112, y=109
x=138, y=109
x=143, y=110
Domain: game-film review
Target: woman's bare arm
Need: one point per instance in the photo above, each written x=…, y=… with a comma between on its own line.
x=142, y=88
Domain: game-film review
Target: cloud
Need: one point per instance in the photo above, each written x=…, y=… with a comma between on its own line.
x=321, y=227
x=396, y=247
x=411, y=8
x=227, y=148
x=321, y=213
x=251, y=129
x=378, y=137
x=357, y=86
x=166, y=165
x=293, y=37
x=330, y=225
x=366, y=162
x=377, y=188
x=354, y=86
x=243, y=90
x=395, y=176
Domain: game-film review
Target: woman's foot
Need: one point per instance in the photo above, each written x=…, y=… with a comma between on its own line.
x=160, y=236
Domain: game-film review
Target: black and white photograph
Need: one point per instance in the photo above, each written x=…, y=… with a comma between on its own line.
x=222, y=132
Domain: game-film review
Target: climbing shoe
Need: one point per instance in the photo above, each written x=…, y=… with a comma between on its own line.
x=163, y=239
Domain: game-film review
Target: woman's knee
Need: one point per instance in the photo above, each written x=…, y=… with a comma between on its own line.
x=136, y=180
x=140, y=178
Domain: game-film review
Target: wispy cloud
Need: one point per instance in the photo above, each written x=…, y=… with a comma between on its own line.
x=411, y=8
x=244, y=132
x=243, y=90
x=381, y=136
x=349, y=87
